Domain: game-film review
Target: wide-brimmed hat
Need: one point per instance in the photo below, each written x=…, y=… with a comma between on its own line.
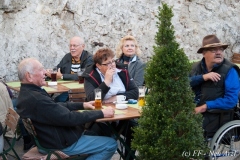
x=211, y=41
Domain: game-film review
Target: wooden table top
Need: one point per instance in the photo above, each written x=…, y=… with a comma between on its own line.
x=62, y=86
x=131, y=112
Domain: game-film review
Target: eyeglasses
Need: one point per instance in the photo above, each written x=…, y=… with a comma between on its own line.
x=109, y=63
x=74, y=45
x=215, y=50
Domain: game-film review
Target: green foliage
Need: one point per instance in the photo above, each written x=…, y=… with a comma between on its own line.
x=168, y=129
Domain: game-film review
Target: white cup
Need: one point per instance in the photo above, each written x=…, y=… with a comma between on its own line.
x=121, y=98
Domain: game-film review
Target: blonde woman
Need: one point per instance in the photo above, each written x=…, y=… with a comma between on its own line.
x=128, y=53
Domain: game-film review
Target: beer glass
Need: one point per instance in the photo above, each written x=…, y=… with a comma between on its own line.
x=54, y=74
x=80, y=78
x=98, y=99
x=141, y=98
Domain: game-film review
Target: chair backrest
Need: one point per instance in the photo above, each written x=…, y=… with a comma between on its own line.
x=12, y=119
x=11, y=122
x=52, y=154
x=77, y=95
x=29, y=127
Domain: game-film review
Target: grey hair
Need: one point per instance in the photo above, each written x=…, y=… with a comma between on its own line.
x=26, y=65
x=80, y=40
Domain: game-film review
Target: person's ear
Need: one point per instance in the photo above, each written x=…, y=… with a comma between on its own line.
x=98, y=65
x=28, y=76
x=83, y=46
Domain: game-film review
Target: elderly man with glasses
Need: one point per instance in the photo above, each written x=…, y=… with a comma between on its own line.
x=215, y=81
x=78, y=58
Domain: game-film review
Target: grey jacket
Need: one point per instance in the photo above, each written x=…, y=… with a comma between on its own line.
x=136, y=70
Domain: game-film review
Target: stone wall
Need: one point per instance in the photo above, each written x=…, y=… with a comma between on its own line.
x=42, y=28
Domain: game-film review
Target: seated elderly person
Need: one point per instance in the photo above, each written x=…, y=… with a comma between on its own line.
x=215, y=81
x=113, y=79
x=128, y=53
x=60, y=125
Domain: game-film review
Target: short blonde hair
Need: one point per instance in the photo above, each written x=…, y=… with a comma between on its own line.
x=119, y=51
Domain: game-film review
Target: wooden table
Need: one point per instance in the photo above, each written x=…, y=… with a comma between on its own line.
x=62, y=86
x=133, y=111
x=130, y=113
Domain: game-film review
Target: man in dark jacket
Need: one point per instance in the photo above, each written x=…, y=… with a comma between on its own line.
x=60, y=125
x=215, y=81
x=78, y=58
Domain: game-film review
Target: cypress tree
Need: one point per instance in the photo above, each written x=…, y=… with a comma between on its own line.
x=168, y=127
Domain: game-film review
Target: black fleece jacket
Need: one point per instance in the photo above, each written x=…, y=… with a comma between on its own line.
x=58, y=125
x=93, y=80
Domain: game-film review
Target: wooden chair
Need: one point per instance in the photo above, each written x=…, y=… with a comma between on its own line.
x=52, y=154
x=11, y=122
x=77, y=95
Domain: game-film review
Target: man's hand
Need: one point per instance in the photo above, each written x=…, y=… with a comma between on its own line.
x=48, y=73
x=201, y=109
x=108, y=112
x=212, y=76
x=59, y=74
x=88, y=105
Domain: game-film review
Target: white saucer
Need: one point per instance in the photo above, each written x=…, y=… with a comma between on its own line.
x=121, y=106
x=52, y=83
x=122, y=102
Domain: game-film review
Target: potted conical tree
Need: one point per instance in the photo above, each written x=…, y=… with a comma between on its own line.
x=168, y=128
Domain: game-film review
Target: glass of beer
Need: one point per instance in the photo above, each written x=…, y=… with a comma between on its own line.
x=80, y=78
x=54, y=74
x=98, y=99
x=141, y=98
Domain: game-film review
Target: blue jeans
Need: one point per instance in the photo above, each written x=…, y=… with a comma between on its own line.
x=98, y=147
x=63, y=97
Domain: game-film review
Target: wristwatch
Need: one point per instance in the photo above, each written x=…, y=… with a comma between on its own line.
x=62, y=77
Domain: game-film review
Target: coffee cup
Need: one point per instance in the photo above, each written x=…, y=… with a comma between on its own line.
x=121, y=98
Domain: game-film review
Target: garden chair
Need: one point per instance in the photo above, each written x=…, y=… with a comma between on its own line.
x=52, y=154
x=11, y=122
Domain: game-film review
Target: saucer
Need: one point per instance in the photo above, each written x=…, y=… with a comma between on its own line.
x=122, y=102
x=121, y=106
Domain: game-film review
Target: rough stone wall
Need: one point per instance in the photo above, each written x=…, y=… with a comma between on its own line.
x=42, y=28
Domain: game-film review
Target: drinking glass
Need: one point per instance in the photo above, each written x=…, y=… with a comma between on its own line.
x=80, y=73
x=141, y=98
x=98, y=99
x=54, y=74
